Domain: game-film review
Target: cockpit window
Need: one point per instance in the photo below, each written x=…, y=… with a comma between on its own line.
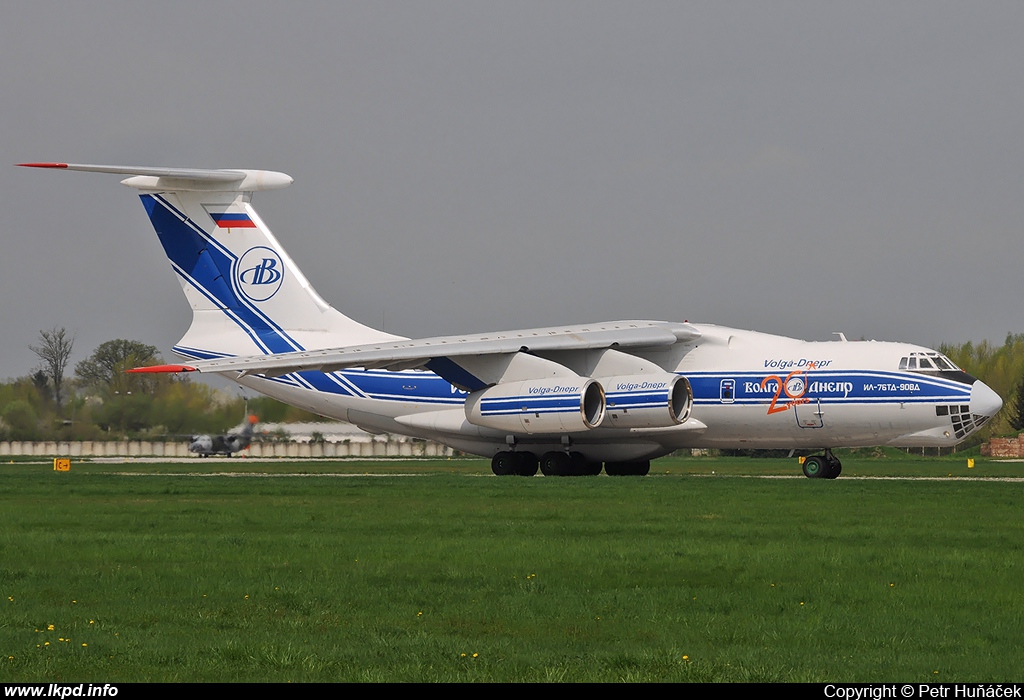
x=928, y=361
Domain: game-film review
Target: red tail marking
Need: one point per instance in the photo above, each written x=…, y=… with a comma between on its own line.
x=161, y=369
x=43, y=165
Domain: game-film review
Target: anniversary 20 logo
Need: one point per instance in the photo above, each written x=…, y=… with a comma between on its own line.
x=259, y=273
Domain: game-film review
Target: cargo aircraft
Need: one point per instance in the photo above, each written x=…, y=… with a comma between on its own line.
x=566, y=399
x=227, y=445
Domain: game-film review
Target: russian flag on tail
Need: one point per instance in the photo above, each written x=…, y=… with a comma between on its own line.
x=230, y=219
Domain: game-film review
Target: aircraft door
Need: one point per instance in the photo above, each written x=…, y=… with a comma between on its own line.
x=809, y=415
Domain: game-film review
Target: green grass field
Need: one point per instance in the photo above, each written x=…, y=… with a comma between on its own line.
x=434, y=570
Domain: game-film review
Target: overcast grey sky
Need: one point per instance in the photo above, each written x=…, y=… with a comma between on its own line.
x=795, y=168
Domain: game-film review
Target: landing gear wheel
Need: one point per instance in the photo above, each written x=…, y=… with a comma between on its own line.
x=641, y=468
x=555, y=464
x=815, y=467
x=526, y=463
x=581, y=466
x=504, y=463
x=835, y=467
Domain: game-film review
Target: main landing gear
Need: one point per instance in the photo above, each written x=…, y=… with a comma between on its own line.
x=562, y=464
x=824, y=466
x=518, y=463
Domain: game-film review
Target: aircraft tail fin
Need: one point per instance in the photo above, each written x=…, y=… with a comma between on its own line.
x=247, y=295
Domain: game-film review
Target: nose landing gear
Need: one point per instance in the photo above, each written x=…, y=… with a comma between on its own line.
x=824, y=466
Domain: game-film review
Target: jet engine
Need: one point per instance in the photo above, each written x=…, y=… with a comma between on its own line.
x=646, y=401
x=556, y=405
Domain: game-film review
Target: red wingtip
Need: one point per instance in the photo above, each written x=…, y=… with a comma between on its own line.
x=163, y=369
x=43, y=165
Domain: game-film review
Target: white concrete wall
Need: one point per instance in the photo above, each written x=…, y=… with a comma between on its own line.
x=379, y=447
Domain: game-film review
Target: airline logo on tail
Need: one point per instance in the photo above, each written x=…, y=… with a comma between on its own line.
x=259, y=273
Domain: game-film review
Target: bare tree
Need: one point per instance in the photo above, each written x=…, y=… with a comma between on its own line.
x=54, y=351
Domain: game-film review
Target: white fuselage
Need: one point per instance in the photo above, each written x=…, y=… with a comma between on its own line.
x=750, y=390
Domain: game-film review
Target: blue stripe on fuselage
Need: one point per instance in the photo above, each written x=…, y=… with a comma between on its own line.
x=834, y=386
x=454, y=373
x=410, y=387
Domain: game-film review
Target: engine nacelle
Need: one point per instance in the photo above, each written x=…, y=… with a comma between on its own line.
x=557, y=405
x=646, y=401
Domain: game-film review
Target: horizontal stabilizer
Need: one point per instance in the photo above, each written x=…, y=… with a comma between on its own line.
x=182, y=179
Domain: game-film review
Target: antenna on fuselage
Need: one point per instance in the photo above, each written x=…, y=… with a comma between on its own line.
x=842, y=336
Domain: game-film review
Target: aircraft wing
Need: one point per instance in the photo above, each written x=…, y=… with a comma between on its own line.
x=415, y=354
